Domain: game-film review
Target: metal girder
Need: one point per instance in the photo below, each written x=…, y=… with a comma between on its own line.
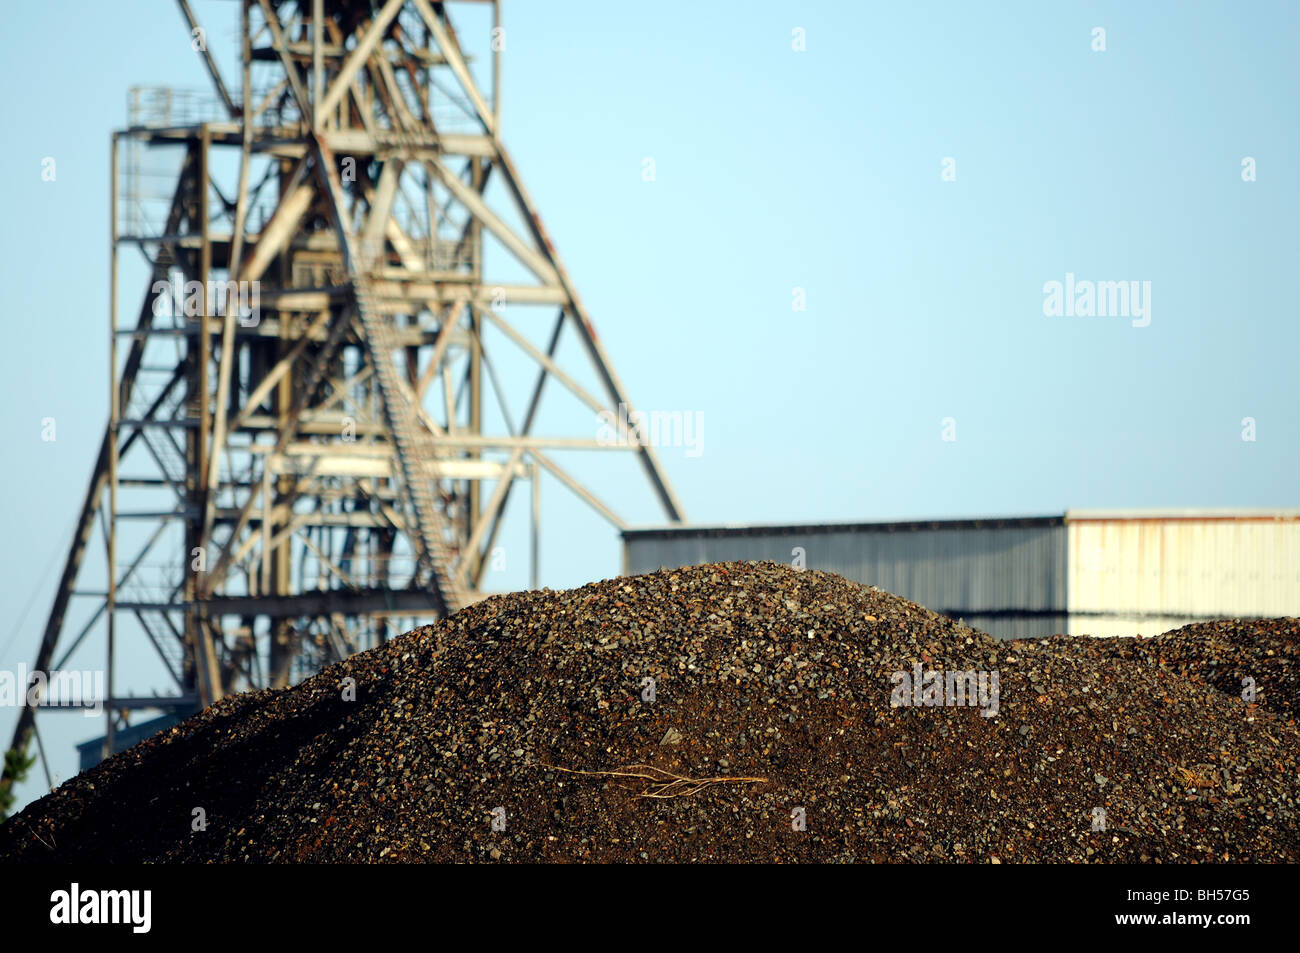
x=208, y=61
x=451, y=50
x=366, y=43
x=529, y=255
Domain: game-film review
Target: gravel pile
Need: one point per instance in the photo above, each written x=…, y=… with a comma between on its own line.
x=525, y=729
x=1222, y=654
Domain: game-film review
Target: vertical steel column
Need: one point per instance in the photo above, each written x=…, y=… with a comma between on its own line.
x=205, y=634
x=114, y=415
x=536, y=526
x=496, y=65
x=317, y=61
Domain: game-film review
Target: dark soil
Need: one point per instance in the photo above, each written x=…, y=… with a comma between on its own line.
x=761, y=671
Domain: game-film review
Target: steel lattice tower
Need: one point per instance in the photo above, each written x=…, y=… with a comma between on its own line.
x=315, y=445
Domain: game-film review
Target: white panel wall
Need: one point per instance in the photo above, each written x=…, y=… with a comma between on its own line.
x=1127, y=570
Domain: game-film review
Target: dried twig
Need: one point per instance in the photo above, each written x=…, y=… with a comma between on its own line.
x=663, y=784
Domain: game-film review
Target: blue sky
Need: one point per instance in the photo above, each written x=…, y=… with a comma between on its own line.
x=778, y=169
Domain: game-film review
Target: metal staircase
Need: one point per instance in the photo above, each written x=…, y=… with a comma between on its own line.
x=414, y=448
x=413, y=444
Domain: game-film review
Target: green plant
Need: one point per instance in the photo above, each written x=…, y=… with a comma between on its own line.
x=17, y=764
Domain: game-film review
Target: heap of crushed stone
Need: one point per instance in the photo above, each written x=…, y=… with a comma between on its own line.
x=776, y=683
x=1221, y=653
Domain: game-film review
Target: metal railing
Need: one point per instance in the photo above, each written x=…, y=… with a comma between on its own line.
x=163, y=107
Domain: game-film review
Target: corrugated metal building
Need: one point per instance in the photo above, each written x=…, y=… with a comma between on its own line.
x=1124, y=572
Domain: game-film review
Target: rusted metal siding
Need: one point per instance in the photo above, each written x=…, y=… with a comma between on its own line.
x=1138, y=573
